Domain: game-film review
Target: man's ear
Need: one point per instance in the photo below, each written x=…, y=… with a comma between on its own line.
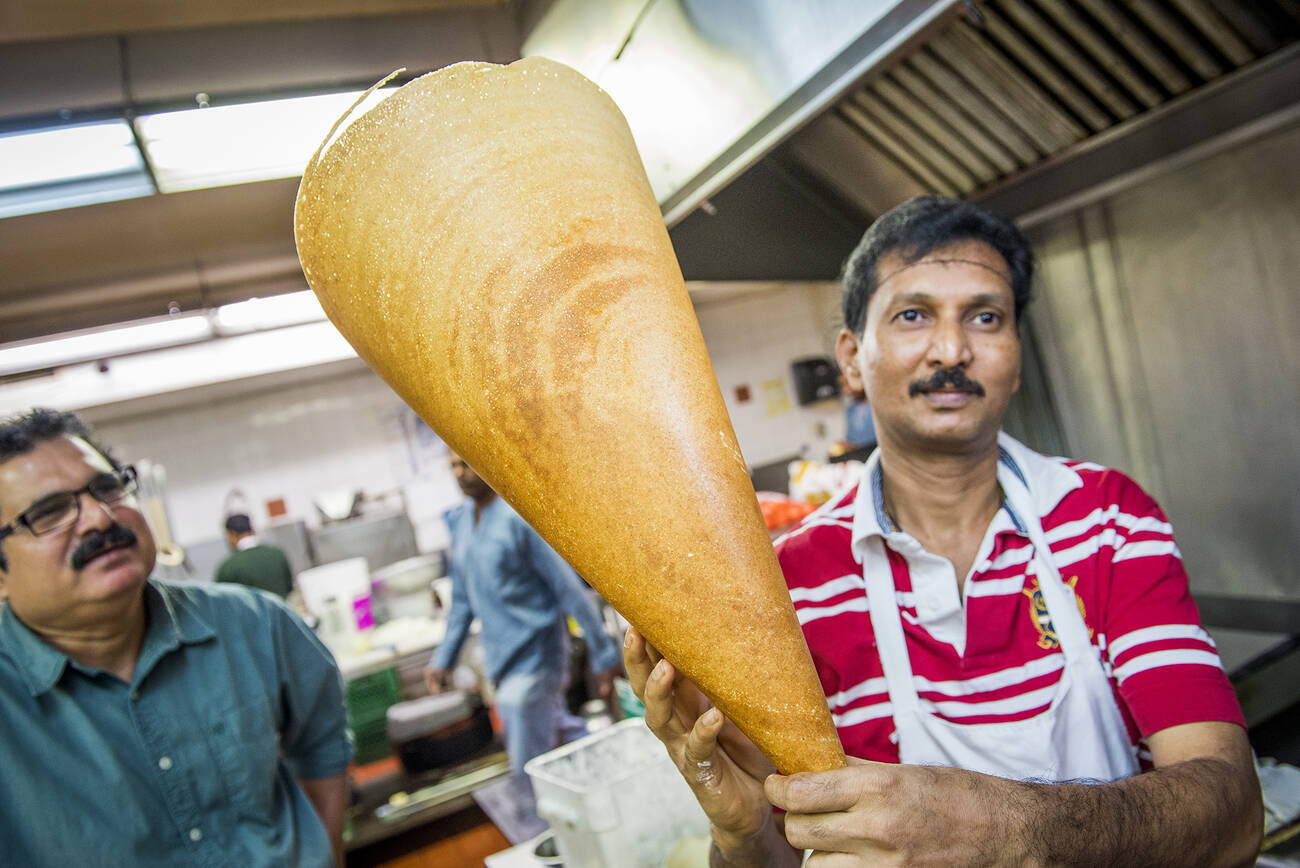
x=846, y=354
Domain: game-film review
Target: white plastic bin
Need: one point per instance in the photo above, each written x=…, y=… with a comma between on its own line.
x=615, y=798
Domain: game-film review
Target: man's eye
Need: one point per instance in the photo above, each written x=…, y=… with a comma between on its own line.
x=47, y=509
x=910, y=315
x=107, y=489
x=988, y=317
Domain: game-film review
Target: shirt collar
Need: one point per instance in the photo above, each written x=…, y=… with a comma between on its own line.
x=41, y=666
x=1048, y=481
x=247, y=542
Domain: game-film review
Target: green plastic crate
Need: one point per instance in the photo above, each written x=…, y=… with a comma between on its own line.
x=369, y=697
x=371, y=741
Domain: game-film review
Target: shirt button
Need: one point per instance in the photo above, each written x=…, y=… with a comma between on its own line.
x=165, y=763
x=196, y=834
x=135, y=694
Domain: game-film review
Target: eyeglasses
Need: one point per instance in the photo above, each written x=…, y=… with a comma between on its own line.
x=63, y=508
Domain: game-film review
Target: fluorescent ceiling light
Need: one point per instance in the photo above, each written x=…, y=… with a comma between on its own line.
x=61, y=167
x=237, y=144
x=67, y=154
x=89, y=346
x=291, y=308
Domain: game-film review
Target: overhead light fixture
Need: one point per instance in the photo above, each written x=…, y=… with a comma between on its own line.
x=66, y=166
x=89, y=346
x=277, y=311
x=237, y=144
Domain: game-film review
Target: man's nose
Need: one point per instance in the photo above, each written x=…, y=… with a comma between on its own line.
x=94, y=514
x=950, y=346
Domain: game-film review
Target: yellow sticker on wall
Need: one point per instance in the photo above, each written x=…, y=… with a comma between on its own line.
x=776, y=397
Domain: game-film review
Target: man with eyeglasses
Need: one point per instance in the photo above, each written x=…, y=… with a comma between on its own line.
x=146, y=723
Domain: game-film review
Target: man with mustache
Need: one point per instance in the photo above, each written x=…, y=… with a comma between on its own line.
x=146, y=723
x=1006, y=640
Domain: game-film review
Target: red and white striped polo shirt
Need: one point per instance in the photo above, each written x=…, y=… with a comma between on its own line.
x=993, y=656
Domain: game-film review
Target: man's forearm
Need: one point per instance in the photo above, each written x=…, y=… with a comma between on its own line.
x=1199, y=812
x=767, y=849
x=329, y=796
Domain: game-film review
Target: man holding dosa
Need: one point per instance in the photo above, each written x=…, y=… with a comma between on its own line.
x=1006, y=640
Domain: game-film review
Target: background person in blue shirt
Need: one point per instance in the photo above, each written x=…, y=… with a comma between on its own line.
x=148, y=724
x=520, y=590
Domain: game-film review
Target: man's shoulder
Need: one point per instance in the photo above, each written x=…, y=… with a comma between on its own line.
x=223, y=600
x=1102, y=487
x=819, y=542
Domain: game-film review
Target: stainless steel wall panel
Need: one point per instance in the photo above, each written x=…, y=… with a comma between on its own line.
x=1168, y=320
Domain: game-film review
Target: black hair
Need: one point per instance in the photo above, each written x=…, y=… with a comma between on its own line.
x=23, y=432
x=239, y=523
x=923, y=224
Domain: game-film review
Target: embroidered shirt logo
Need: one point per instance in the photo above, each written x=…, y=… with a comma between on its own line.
x=1042, y=620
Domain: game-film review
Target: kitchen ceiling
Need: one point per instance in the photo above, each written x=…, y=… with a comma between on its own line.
x=1011, y=90
x=1015, y=102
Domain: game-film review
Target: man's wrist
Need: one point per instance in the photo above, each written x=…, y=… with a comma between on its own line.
x=733, y=850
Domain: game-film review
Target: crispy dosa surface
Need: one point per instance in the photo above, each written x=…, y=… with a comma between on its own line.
x=487, y=240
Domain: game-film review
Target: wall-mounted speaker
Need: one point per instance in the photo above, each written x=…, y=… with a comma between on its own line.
x=816, y=379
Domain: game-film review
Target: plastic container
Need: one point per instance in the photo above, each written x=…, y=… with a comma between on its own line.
x=615, y=798
x=346, y=581
x=405, y=589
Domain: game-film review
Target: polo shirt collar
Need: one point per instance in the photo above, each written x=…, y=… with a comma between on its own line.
x=41, y=666
x=1048, y=481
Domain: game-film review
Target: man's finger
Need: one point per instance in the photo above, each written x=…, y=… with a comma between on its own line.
x=701, y=750
x=636, y=662
x=823, y=792
x=658, y=701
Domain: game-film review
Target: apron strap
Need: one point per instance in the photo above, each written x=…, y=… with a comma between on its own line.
x=891, y=644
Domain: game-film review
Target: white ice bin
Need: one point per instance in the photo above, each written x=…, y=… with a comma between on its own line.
x=615, y=798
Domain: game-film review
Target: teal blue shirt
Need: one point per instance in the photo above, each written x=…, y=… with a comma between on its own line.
x=194, y=762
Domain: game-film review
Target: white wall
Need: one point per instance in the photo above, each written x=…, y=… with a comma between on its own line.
x=752, y=340
x=298, y=440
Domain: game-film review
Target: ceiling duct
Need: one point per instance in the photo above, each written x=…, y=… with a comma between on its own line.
x=1012, y=87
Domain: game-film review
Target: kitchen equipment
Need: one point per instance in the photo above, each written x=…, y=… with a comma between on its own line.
x=615, y=798
x=339, y=595
x=437, y=731
x=405, y=589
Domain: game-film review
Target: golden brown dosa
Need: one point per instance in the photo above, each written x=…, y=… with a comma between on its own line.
x=488, y=241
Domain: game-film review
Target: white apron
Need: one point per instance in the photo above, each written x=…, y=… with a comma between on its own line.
x=1080, y=736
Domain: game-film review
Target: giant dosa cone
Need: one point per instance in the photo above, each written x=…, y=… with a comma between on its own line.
x=488, y=241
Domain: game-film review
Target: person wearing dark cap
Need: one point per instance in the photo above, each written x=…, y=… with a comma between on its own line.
x=253, y=562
